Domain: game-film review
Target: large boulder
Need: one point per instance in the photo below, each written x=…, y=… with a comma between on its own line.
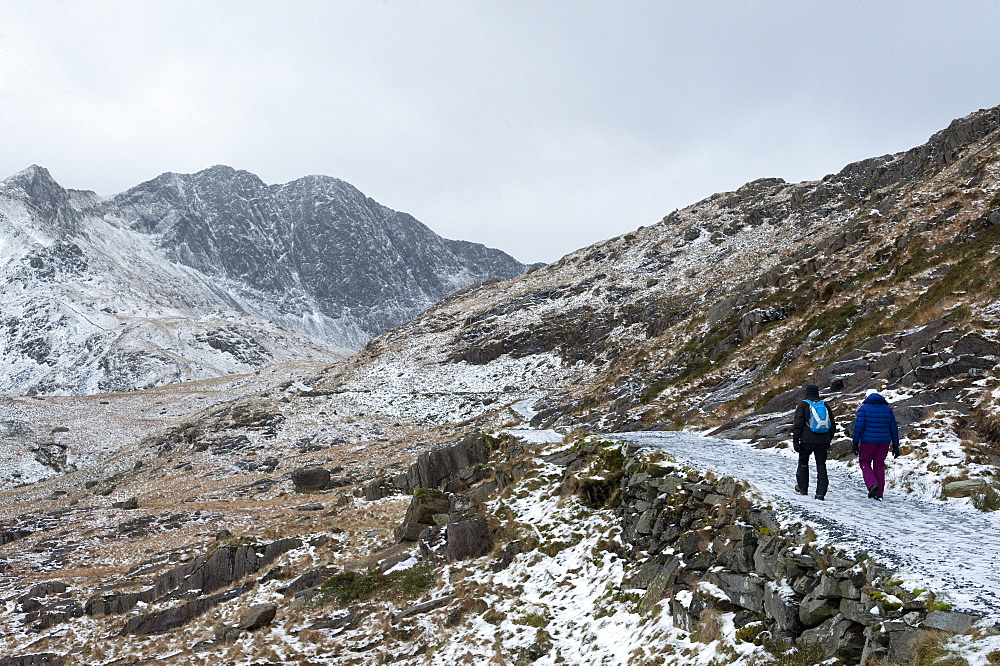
x=310, y=479
x=44, y=589
x=468, y=538
x=743, y=590
x=257, y=616
x=780, y=605
x=950, y=621
x=903, y=644
x=426, y=505
x=963, y=488
x=813, y=611
x=837, y=637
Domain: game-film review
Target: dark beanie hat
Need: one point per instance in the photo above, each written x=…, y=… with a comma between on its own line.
x=812, y=392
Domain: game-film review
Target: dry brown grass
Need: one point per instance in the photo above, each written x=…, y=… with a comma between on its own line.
x=931, y=651
x=709, y=627
x=952, y=305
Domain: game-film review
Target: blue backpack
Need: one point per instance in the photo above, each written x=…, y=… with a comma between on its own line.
x=819, y=416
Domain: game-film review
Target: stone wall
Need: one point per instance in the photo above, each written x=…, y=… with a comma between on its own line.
x=707, y=544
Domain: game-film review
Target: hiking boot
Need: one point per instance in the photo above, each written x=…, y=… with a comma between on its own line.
x=799, y=490
x=821, y=497
x=873, y=492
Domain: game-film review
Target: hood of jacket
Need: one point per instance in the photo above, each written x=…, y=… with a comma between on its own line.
x=875, y=399
x=812, y=392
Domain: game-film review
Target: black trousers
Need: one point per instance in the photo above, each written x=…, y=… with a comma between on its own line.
x=802, y=473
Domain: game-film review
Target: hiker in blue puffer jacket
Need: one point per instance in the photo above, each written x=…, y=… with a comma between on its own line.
x=875, y=430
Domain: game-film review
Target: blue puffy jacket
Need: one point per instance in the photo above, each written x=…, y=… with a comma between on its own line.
x=875, y=422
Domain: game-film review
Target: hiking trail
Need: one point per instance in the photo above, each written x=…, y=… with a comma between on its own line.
x=946, y=547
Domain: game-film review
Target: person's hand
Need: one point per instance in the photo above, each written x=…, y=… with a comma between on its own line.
x=795, y=447
x=854, y=449
x=895, y=450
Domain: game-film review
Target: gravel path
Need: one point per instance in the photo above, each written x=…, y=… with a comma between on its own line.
x=947, y=547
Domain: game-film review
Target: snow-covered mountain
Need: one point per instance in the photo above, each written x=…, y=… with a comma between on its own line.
x=190, y=276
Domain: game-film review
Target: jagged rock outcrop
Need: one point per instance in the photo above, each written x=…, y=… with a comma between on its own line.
x=424, y=511
x=455, y=468
x=221, y=568
x=39, y=659
x=449, y=526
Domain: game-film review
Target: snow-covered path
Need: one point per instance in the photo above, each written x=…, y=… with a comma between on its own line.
x=946, y=547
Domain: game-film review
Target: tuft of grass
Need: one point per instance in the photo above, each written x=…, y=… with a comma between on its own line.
x=987, y=498
x=809, y=654
x=613, y=460
x=533, y=620
x=935, y=605
x=933, y=651
x=494, y=617
x=351, y=586
x=709, y=627
x=750, y=633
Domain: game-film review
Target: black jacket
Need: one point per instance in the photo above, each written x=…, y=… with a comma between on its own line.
x=800, y=427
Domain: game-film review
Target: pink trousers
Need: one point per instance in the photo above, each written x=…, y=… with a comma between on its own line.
x=871, y=458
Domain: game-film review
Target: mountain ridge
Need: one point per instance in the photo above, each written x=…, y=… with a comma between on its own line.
x=315, y=257
x=666, y=304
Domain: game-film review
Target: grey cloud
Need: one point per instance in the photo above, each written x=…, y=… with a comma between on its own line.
x=534, y=127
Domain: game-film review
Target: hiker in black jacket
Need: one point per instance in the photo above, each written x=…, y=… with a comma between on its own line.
x=812, y=432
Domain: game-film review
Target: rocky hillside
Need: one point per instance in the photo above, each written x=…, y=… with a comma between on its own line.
x=882, y=275
x=202, y=275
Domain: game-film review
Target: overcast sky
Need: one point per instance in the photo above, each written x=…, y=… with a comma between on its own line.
x=536, y=127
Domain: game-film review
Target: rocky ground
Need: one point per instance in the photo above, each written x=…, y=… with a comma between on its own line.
x=185, y=474
x=499, y=551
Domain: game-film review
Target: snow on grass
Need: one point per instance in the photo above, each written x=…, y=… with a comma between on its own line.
x=566, y=598
x=533, y=436
x=934, y=454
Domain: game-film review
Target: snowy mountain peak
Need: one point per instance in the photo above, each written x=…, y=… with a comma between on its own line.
x=53, y=203
x=26, y=178
x=315, y=257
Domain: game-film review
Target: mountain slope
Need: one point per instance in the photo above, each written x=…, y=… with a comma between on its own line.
x=195, y=276
x=879, y=276
x=317, y=241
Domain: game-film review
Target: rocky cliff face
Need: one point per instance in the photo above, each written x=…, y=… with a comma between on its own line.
x=314, y=248
x=194, y=276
